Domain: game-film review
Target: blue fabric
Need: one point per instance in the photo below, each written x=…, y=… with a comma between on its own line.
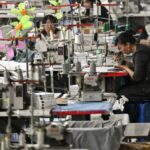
x=85, y=106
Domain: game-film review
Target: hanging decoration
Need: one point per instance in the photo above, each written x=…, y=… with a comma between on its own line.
x=24, y=15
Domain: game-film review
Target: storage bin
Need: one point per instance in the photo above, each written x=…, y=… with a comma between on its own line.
x=95, y=135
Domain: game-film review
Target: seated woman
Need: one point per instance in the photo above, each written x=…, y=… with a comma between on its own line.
x=49, y=32
x=146, y=40
x=140, y=76
x=103, y=17
x=143, y=35
x=49, y=23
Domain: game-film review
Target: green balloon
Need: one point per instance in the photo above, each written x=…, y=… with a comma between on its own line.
x=59, y=15
x=21, y=6
x=15, y=11
x=24, y=19
x=27, y=25
x=14, y=23
x=54, y=2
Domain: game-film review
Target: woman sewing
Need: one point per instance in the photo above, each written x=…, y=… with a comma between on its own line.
x=140, y=76
x=49, y=32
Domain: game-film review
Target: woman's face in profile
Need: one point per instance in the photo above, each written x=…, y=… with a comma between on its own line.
x=49, y=26
x=124, y=48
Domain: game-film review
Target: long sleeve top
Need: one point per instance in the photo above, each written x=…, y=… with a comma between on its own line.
x=141, y=61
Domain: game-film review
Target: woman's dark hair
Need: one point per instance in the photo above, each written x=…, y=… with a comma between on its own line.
x=51, y=18
x=124, y=38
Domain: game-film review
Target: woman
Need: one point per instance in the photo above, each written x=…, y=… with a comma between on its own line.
x=141, y=59
x=49, y=23
x=104, y=17
x=49, y=32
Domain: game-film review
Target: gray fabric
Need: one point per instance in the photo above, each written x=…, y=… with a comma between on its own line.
x=93, y=136
x=21, y=55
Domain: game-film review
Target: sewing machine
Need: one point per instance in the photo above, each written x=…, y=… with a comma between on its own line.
x=91, y=88
x=14, y=94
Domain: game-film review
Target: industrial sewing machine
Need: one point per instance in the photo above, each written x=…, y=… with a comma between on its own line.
x=14, y=94
x=91, y=86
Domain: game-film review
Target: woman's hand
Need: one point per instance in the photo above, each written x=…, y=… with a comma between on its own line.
x=127, y=69
x=123, y=67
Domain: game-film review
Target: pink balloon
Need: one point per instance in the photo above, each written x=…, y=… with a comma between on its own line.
x=21, y=45
x=2, y=46
x=10, y=53
x=1, y=35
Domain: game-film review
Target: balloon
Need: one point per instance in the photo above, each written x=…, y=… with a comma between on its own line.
x=10, y=53
x=21, y=6
x=27, y=25
x=54, y=2
x=59, y=15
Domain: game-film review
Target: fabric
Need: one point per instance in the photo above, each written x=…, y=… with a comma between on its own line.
x=95, y=135
x=84, y=107
x=21, y=55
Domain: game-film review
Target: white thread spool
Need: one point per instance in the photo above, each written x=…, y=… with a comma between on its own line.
x=96, y=10
x=67, y=34
x=40, y=138
x=51, y=35
x=78, y=39
x=22, y=138
x=36, y=73
x=62, y=37
x=3, y=145
x=99, y=59
x=7, y=141
x=6, y=77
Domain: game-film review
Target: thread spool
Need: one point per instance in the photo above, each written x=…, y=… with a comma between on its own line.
x=36, y=73
x=92, y=68
x=99, y=59
x=78, y=39
x=78, y=66
x=3, y=145
x=96, y=10
x=106, y=27
x=6, y=77
x=40, y=138
x=20, y=74
x=22, y=138
x=51, y=35
x=43, y=71
x=7, y=141
x=66, y=68
x=127, y=28
x=116, y=28
x=62, y=37
x=67, y=36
